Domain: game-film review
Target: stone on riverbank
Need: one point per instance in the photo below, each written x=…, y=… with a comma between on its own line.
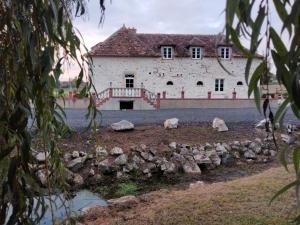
x=219, y=124
x=171, y=123
x=124, y=202
x=123, y=125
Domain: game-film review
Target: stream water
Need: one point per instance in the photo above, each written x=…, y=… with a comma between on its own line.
x=74, y=206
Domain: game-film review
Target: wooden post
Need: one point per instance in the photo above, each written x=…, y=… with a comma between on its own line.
x=182, y=94
x=164, y=95
x=209, y=95
x=234, y=94
x=158, y=101
x=142, y=93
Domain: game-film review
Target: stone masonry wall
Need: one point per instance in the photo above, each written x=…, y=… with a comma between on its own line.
x=154, y=73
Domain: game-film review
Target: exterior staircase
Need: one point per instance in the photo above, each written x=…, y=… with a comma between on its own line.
x=125, y=93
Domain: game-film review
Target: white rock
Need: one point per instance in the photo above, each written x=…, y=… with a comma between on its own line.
x=273, y=153
x=220, y=149
x=122, y=125
x=75, y=154
x=41, y=156
x=116, y=151
x=41, y=174
x=173, y=145
x=202, y=159
x=196, y=184
x=219, y=124
x=101, y=152
x=191, y=168
x=262, y=124
x=78, y=179
x=171, y=123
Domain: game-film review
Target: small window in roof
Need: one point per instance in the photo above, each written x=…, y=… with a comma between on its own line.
x=239, y=83
x=167, y=52
x=170, y=83
x=196, y=53
x=225, y=52
x=199, y=83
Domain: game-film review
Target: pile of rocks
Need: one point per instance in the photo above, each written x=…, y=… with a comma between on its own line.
x=189, y=159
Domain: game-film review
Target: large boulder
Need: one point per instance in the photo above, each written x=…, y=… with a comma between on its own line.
x=191, y=167
x=122, y=125
x=171, y=123
x=219, y=124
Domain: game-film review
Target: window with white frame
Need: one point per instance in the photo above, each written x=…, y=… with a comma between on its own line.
x=196, y=53
x=167, y=52
x=225, y=52
x=219, y=85
x=129, y=81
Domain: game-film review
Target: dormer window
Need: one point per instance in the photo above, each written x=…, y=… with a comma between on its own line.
x=225, y=52
x=167, y=52
x=196, y=52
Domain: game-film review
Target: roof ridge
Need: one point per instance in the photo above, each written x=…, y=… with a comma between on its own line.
x=172, y=34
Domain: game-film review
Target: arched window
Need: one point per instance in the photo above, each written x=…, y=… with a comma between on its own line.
x=199, y=83
x=170, y=83
x=239, y=83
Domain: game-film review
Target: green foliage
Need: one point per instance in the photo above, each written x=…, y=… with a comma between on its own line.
x=36, y=38
x=127, y=189
x=244, y=21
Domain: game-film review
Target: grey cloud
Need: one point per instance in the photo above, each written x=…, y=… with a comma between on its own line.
x=153, y=16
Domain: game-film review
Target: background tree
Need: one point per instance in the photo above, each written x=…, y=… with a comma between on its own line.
x=250, y=20
x=31, y=35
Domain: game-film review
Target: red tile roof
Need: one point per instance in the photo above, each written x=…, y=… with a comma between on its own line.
x=125, y=42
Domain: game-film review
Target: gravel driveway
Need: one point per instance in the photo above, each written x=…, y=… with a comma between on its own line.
x=76, y=117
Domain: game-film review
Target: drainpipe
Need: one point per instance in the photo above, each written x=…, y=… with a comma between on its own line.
x=234, y=94
x=158, y=101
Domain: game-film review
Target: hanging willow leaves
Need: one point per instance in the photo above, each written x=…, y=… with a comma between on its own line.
x=253, y=22
x=36, y=38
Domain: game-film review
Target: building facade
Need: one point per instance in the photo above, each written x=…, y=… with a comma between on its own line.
x=169, y=66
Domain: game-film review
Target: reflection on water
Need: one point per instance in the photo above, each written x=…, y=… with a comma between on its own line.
x=74, y=206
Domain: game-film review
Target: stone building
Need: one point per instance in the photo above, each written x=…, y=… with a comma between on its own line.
x=135, y=70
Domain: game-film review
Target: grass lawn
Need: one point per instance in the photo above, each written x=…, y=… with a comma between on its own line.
x=240, y=202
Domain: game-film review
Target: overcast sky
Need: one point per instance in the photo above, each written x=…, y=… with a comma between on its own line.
x=152, y=16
